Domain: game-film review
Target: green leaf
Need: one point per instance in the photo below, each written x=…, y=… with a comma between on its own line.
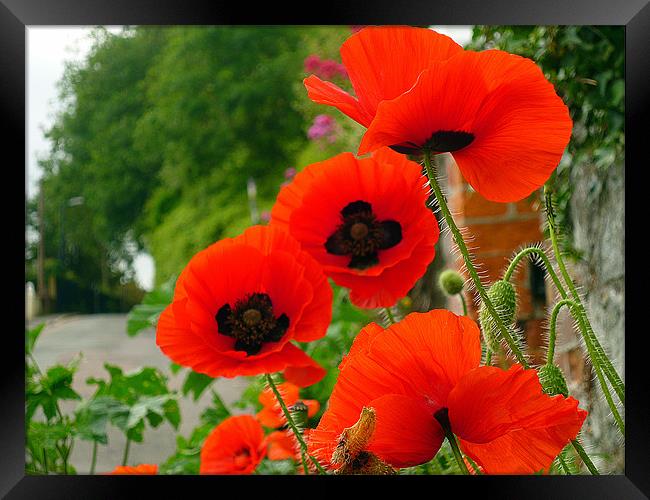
x=215, y=414
x=32, y=336
x=146, y=314
x=196, y=383
x=144, y=406
x=92, y=417
x=42, y=435
x=276, y=467
x=172, y=413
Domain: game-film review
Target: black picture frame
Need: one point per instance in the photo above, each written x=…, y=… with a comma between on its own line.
x=16, y=15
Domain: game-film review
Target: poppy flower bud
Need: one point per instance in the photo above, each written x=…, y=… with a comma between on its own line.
x=406, y=302
x=504, y=298
x=552, y=380
x=298, y=413
x=451, y=282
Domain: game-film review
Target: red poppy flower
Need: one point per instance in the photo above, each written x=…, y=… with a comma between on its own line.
x=365, y=221
x=283, y=445
x=142, y=469
x=495, y=112
x=240, y=302
x=423, y=373
x=235, y=446
x=271, y=415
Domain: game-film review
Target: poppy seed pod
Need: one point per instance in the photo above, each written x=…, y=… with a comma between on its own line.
x=552, y=380
x=504, y=298
x=451, y=282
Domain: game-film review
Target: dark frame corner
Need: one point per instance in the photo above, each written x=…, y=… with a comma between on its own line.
x=16, y=15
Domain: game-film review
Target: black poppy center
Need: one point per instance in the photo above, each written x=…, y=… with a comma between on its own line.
x=442, y=141
x=251, y=322
x=442, y=416
x=445, y=141
x=360, y=235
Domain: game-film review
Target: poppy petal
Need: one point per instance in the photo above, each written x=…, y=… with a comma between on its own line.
x=518, y=127
x=429, y=352
x=446, y=97
x=311, y=209
x=302, y=370
x=142, y=469
x=521, y=132
x=361, y=342
x=406, y=433
x=520, y=452
x=282, y=445
x=317, y=313
x=332, y=95
x=490, y=402
x=385, y=61
x=312, y=407
x=235, y=446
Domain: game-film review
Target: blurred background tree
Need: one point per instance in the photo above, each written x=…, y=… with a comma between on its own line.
x=160, y=132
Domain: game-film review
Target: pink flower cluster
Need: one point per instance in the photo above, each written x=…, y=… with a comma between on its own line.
x=324, y=68
x=324, y=127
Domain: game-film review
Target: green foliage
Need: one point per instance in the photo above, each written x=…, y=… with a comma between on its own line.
x=45, y=390
x=146, y=396
x=31, y=337
x=186, y=459
x=93, y=416
x=196, y=383
x=146, y=314
x=276, y=467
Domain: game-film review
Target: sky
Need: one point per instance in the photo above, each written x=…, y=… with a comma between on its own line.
x=48, y=48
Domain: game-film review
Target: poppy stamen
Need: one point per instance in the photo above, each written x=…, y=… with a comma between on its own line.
x=251, y=322
x=361, y=236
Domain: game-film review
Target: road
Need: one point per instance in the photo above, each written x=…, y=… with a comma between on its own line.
x=102, y=339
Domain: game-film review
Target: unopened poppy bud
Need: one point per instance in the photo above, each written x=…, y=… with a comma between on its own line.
x=552, y=380
x=451, y=282
x=504, y=299
x=299, y=413
x=406, y=302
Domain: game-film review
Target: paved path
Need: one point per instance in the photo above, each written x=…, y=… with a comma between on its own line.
x=102, y=339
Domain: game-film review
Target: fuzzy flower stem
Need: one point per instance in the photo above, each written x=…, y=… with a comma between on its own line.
x=462, y=299
x=457, y=454
x=292, y=425
x=458, y=239
x=389, y=314
x=562, y=462
x=488, y=357
x=547, y=264
x=585, y=458
x=553, y=334
x=596, y=352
